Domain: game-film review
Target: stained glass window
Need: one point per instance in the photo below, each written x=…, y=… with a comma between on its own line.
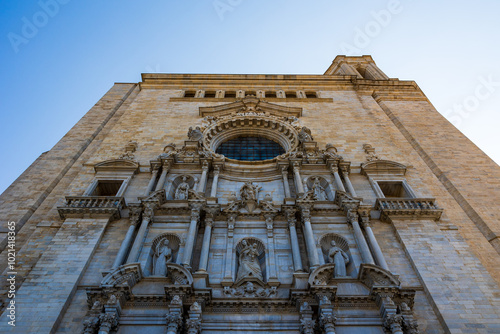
x=250, y=149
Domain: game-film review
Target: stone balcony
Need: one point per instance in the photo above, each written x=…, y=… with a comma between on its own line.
x=82, y=206
x=408, y=208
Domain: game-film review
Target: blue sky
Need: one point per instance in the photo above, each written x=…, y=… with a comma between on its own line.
x=58, y=57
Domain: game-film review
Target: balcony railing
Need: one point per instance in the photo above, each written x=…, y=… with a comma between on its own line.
x=409, y=208
x=78, y=206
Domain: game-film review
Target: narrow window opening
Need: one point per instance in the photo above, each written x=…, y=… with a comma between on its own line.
x=291, y=95
x=210, y=94
x=230, y=95
x=311, y=95
x=190, y=94
x=271, y=95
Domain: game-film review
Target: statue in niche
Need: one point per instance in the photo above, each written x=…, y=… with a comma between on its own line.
x=249, y=262
x=163, y=256
x=340, y=258
x=182, y=190
x=318, y=190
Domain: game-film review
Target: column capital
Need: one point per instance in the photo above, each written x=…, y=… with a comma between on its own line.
x=167, y=164
x=135, y=210
x=334, y=169
x=296, y=166
x=149, y=211
x=195, y=212
x=216, y=169
x=205, y=166
x=284, y=171
x=155, y=166
x=352, y=216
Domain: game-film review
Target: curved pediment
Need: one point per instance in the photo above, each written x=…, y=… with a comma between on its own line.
x=383, y=167
x=117, y=165
x=252, y=105
x=374, y=276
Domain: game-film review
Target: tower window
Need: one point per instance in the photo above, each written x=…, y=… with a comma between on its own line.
x=250, y=149
x=311, y=95
x=230, y=95
x=291, y=95
x=271, y=94
x=210, y=94
x=190, y=94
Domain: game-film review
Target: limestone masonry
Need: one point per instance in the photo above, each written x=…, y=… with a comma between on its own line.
x=196, y=203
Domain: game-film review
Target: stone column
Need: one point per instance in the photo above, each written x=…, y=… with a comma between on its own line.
x=298, y=179
x=338, y=181
x=309, y=236
x=151, y=184
x=392, y=322
x=352, y=217
x=228, y=270
x=272, y=276
x=209, y=221
x=108, y=322
x=174, y=316
x=203, y=180
x=213, y=193
x=191, y=237
x=348, y=183
x=377, y=252
x=147, y=216
x=163, y=175
x=307, y=323
x=286, y=185
x=297, y=261
x=327, y=319
x=135, y=213
x=193, y=324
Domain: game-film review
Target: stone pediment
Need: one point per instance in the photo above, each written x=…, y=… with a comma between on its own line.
x=117, y=165
x=383, y=167
x=250, y=106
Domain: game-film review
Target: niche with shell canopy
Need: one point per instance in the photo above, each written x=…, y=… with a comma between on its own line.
x=176, y=181
x=325, y=243
x=329, y=193
x=173, y=243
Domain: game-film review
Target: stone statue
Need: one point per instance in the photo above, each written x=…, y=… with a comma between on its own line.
x=318, y=190
x=340, y=258
x=163, y=255
x=249, y=192
x=305, y=135
x=195, y=134
x=249, y=262
x=182, y=190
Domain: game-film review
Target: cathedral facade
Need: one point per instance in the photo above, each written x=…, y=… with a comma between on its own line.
x=190, y=203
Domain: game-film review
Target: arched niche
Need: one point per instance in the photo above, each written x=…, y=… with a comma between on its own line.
x=261, y=249
x=190, y=179
x=173, y=243
x=330, y=193
x=325, y=244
